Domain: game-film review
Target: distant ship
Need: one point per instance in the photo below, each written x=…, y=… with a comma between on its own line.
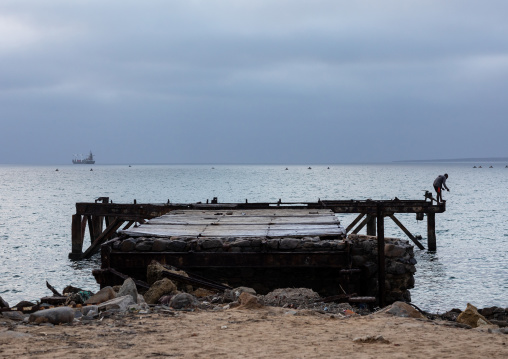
x=84, y=161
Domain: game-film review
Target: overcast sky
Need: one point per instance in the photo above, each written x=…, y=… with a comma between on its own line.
x=252, y=81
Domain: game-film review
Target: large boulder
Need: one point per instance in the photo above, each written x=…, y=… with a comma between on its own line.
x=471, y=317
x=155, y=272
x=129, y=288
x=158, y=289
x=249, y=301
x=105, y=294
x=54, y=316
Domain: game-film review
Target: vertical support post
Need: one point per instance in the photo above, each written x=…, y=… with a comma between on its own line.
x=77, y=238
x=96, y=227
x=431, y=231
x=371, y=225
x=381, y=255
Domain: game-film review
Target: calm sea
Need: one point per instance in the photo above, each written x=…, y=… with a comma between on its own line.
x=470, y=265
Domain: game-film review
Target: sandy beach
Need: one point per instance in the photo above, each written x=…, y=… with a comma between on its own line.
x=264, y=332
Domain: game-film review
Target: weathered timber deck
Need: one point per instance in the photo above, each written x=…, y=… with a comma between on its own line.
x=241, y=223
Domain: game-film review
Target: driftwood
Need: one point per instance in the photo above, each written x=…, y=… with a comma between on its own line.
x=54, y=300
x=55, y=292
x=194, y=279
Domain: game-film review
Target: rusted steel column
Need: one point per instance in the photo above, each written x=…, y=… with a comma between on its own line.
x=431, y=231
x=77, y=238
x=381, y=255
x=371, y=226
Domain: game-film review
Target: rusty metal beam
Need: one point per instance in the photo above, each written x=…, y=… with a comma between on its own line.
x=357, y=219
x=361, y=225
x=155, y=210
x=186, y=260
x=405, y=230
x=94, y=247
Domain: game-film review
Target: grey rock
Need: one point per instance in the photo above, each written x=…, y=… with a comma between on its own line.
x=144, y=246
x=255, y=243
x=90, y=311
x=212, y=243
x=396, y=268
x=128, y=245
x=13, y=315
x=121, y=304
x=142, y=303
x=184, y=301
x=159, y=245
x=129, y=288
x=392, y=250
x=176, y=246
x=273, y=244
x=288, y=243
x=241, y=243
x=54, y=316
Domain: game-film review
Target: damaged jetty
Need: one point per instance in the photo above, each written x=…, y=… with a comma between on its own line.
x=260, y=245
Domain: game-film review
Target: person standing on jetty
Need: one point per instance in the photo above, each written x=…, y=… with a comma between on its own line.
x=439, y=183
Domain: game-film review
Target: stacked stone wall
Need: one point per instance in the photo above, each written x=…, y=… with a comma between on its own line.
x=399, y=265
x=362, y=250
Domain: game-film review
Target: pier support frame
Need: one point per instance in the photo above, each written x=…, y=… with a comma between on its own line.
x=431, y=231
x=77, y=237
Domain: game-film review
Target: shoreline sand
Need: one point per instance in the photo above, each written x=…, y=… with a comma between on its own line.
x=252, y=332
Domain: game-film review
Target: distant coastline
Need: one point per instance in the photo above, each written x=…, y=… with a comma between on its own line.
x=485, y=159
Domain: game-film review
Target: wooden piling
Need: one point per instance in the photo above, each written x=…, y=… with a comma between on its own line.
x=77, y=238
x=431, y=231
x=371, y=226
x=381, y=256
